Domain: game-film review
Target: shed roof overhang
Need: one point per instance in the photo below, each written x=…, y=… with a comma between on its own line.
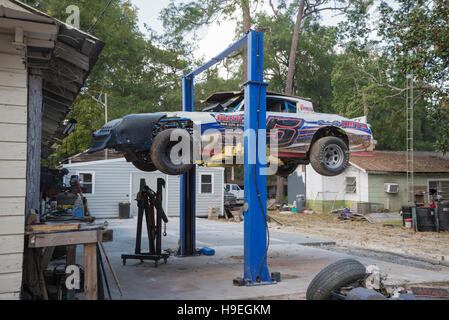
x=64, y=56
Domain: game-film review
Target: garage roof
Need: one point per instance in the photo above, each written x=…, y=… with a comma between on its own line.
x=61, y=54
x=395, y=162
x=226, y=95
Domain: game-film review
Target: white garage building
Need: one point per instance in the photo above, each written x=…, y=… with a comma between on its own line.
x=109, y=182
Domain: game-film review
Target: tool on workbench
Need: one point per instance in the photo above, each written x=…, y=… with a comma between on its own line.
x=147, y=202
x=74, y=182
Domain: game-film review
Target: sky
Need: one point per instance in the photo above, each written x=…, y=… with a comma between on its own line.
x=214, y=38
x=209, y=45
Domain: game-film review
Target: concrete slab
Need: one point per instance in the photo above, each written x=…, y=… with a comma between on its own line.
x=210, y=277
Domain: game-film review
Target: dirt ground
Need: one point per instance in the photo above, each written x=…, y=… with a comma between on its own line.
x=428, y=246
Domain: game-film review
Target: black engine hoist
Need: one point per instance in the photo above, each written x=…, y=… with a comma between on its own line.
x=147, y=202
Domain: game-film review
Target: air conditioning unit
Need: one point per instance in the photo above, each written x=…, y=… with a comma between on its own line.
x=391, y=187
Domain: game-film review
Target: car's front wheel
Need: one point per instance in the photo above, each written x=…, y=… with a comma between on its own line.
x=171, y=151
x=329, y=156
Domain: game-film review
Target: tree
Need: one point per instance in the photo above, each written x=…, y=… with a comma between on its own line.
x=412, y=40
x=365, y=84
x=417, y=37
x=139, y=75
x=306, y=9
x=181, y=19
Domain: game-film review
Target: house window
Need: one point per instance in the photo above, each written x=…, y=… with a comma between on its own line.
x=351, y=185
x=206, y=183
x=442, y=186
x=86, y=180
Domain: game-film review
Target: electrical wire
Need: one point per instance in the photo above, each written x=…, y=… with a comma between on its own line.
x=255, y=166
x=99, y=17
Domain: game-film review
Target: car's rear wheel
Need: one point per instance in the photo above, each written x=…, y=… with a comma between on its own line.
x=286, y=169
x=329, y=156
x=144, y=166
x=169, y=160
x=144, y=163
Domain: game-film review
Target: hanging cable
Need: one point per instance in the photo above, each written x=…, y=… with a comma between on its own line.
x=99, y=17
x=255, y=166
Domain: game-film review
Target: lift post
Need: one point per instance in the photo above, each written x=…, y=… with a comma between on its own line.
x=187, y=225
x=255, y=179
x=255, y=214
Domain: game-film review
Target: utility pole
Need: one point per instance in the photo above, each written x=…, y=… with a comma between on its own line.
x=105, y=106
x=105, y=120
x=409, y=103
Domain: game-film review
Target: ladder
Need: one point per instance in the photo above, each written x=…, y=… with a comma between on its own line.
x=409, y=104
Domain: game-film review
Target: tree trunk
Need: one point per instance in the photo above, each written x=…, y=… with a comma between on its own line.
x=289, y=85
x=293, y=49
x=246, y=26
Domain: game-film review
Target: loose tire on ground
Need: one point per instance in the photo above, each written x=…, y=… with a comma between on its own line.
x=335, y=276
x=160, y=153
x=329, y=156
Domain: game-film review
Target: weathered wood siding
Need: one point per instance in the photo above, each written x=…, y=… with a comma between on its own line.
x=13, y=149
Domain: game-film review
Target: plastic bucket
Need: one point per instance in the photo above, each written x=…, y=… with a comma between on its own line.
x=406, y=213
x=408, y=223
x=124, y=210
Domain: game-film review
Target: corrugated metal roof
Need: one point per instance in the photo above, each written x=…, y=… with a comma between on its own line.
x=226, y=95
x=395, y=161
x=99, y=155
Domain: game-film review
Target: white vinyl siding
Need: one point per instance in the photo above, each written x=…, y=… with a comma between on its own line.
x=113, y=184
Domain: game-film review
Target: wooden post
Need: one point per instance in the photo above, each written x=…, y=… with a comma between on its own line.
x=90, y=271
x=34, y=136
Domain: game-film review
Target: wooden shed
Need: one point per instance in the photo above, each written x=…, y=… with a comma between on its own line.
x=43, y=65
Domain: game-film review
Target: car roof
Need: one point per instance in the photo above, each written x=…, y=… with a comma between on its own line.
x=218, y=97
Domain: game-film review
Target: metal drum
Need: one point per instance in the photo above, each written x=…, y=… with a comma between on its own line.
x=425, y=217
x=443, y=215
x=406, y=213
x=300, y=202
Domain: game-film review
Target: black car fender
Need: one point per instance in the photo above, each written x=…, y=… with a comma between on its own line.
x=134, y=131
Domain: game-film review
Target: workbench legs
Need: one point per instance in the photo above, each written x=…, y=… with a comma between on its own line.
x=90, y=271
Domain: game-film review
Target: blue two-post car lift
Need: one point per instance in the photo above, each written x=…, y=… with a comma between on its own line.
x=255, y=211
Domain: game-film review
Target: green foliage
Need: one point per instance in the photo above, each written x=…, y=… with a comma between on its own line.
x=364, y=84
x=314, y=63
x=341, y=69
x=417, y=36
x=136, y=72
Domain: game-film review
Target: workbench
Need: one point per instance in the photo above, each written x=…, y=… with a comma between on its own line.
x=86, y=236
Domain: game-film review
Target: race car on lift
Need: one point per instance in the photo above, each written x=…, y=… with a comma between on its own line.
x=304, y=136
